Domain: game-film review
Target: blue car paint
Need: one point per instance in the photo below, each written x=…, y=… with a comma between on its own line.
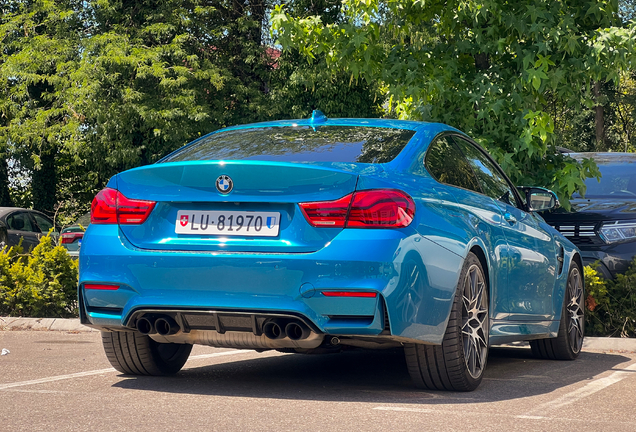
x=209, y=275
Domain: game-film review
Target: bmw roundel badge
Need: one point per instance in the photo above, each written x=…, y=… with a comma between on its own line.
x=224, y=184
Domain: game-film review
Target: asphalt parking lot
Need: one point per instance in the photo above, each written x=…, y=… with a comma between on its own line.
x=62, y=381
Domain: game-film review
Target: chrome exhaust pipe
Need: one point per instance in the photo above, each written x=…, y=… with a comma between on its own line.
x=296, y=331
x=145, y=326
x=273, y=330
x=166, y=326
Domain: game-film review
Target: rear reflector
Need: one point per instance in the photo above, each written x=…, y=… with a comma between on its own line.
x=111, y=206
x=374, y=208
x=348, y=294
x=70, y=237
x=101, y=287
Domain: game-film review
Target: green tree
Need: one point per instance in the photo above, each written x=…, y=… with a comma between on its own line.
x=91, y=88
x=489, y=68
x=141, y=86
x=38, y=51
x=300, y=86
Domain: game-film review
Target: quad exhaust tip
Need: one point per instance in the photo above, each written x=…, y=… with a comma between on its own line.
x=296, y=331
x=273, y=330
x=279, y=329
x=145, y=326
x=164, y=325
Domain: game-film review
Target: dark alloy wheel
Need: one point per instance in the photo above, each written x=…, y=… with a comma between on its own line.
x=569, y=341
x=459, y=363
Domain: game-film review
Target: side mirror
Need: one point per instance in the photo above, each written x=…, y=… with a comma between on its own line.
x=539, y=199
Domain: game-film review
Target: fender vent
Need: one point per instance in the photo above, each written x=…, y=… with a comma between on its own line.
x=560, y=259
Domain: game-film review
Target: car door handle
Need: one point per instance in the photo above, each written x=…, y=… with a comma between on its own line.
x=510, y=218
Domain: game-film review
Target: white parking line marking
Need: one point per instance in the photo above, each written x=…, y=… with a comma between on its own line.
x=219, y=354
x=56, y=378
x=583, y=392
x=419, y=410
x=103, y=371
x=487, y=414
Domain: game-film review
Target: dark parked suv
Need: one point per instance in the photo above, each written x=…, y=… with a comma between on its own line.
x=603, y=224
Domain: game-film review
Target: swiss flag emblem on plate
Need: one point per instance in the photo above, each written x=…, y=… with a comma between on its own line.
x=184, y=220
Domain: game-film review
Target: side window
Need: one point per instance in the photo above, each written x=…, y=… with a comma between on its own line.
x=491, y=179
x=45, y=224
x=20, y=222
x=448, y=165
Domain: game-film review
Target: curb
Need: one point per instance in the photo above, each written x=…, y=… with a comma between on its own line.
x=73, y=325
x=44, y=324
x=610, y=344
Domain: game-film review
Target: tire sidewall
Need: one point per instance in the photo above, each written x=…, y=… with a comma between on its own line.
x=563, y=326
x=456, y=330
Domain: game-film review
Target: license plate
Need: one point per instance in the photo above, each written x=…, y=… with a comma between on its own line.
x=228, y=223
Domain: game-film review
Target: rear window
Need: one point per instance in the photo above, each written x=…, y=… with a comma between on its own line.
x=299, y=144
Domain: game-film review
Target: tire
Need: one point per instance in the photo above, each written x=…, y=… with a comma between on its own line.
x=569, y=341
x=457, y=364
x=135, y=354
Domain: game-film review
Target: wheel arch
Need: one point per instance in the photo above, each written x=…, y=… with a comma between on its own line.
x=577, y=258
x=479, y=252
x=571, y=255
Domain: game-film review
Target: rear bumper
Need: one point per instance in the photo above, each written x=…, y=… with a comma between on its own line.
x=252, y=283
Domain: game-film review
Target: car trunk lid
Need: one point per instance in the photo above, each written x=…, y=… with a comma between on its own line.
x=188, y=200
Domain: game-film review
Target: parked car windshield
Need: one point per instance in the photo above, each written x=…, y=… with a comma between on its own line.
x=618, y=179
x=299, y=144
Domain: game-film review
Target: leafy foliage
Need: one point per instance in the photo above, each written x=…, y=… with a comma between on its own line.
x=91, y=88
x=39, y=49
x=611, y=304
x=489, y=68
x=43, y=284
x=576, y=129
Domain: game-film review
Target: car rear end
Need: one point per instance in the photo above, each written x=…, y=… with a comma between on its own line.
x=71, y=236
x=225, y=243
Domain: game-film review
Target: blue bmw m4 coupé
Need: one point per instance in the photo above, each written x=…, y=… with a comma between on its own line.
x=320, y=235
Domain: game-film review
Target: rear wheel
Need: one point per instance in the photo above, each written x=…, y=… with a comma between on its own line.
x=459, y=363
x=136, y=354
x=569, y=341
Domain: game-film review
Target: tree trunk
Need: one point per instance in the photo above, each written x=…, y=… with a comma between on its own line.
x=599, y=118
x=43, y=183
x=5, y=198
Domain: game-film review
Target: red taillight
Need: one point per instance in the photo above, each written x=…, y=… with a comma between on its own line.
x=104, y=207
x=332, y=214
x=111, y=206
x=349, y=294
x=375, y=208
x=381, y=208
x=70, y=237
x=101, y=287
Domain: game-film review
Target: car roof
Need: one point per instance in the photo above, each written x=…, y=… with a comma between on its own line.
x=324, y=121
x=6, y=210
x=606, y=158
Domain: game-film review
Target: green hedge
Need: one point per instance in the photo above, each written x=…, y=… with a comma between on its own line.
x=611, y=304
x=40, y=284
